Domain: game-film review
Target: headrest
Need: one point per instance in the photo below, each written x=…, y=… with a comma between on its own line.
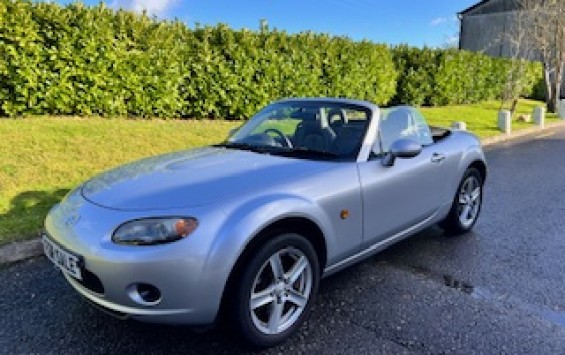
x=307, y=114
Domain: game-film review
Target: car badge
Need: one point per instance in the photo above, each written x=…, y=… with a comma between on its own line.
x=72, y=220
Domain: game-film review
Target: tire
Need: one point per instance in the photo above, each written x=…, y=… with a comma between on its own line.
x=466, y=205
x=282, y=298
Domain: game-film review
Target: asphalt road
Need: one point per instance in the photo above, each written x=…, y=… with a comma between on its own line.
x=499, y=289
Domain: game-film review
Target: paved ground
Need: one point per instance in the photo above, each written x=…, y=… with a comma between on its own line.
x=500, y=289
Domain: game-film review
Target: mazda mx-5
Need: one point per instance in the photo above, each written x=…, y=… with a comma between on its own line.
x=247, y=228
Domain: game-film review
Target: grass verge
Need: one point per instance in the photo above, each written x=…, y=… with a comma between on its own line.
x=481, y=119
x=42, y=158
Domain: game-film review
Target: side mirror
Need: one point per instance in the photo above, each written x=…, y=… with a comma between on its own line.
x=401, y=148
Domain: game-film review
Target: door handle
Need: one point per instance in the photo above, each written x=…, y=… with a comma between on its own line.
x=438, y=158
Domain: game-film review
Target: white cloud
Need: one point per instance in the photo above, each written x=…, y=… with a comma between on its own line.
x=452, y=41
x=437, y=21
x=153, y=7
x=442, y=20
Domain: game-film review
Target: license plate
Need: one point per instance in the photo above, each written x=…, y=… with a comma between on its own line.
x=68, y=262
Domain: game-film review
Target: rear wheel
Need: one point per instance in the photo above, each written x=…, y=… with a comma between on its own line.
x=276, y=290
x=466, y=205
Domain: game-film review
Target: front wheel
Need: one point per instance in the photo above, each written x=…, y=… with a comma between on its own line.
x=276, y=290
x=466, y=204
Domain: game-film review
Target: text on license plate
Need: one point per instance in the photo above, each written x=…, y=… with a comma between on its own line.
x=63, y=259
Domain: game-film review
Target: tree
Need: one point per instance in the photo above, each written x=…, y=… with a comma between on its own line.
x=547, y=37
x=520, y=46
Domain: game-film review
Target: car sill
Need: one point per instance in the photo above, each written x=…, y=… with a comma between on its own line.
x=377, y=246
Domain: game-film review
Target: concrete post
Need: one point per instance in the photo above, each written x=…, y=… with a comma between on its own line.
x=561, y=109
x=505, y=121
x=459, y=125
x=539, y=116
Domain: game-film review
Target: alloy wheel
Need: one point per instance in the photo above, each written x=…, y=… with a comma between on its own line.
x=469, y=201
x=281, y=291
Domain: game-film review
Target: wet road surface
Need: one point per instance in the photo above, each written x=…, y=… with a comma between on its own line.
x=498, y=289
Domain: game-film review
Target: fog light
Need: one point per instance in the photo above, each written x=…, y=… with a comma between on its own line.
x=144, y=294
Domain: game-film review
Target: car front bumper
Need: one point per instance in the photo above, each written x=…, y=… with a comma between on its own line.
x=190, y=289
x=166, y=316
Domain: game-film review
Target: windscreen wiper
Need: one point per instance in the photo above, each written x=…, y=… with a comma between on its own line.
x=242, y=146
x=307, y=153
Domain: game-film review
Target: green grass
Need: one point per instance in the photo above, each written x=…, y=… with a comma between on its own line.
x=41, y=158
x=481, y=118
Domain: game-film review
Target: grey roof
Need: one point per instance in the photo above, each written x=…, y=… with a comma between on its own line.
x=491, y=6
x=471, y=8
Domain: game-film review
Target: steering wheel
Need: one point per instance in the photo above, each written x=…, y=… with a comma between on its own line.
x=285, y=139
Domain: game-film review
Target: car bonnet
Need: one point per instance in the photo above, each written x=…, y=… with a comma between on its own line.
x=192, y=178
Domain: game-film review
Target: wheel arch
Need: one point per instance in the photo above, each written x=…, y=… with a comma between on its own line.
x=481, y=167
x=300, y=225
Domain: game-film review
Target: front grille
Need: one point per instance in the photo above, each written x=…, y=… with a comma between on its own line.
x=91, y=282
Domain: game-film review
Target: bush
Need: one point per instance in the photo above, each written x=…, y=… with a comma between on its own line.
x=20, y=52
x=80, y=60
x=417, y=68
x=441, y=77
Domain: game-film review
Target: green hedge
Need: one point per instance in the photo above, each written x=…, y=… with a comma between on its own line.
x=94, y=60
x=80, y=60
x=233, y=73
x=83, y=60
x=442, y=77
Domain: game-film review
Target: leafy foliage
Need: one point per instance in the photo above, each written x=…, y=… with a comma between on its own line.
x=80, y=60
x=93, y=60
x=439, y=77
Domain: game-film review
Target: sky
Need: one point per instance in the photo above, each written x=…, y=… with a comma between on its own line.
x=415, y=22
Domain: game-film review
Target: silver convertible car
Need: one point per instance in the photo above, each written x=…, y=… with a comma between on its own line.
x=246, y=229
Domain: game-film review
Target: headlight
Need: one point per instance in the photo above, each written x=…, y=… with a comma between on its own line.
x=154, y=230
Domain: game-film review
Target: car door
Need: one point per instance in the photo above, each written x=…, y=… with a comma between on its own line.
x=401, y=196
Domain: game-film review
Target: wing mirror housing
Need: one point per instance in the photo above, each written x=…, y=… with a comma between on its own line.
x=401, y=148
